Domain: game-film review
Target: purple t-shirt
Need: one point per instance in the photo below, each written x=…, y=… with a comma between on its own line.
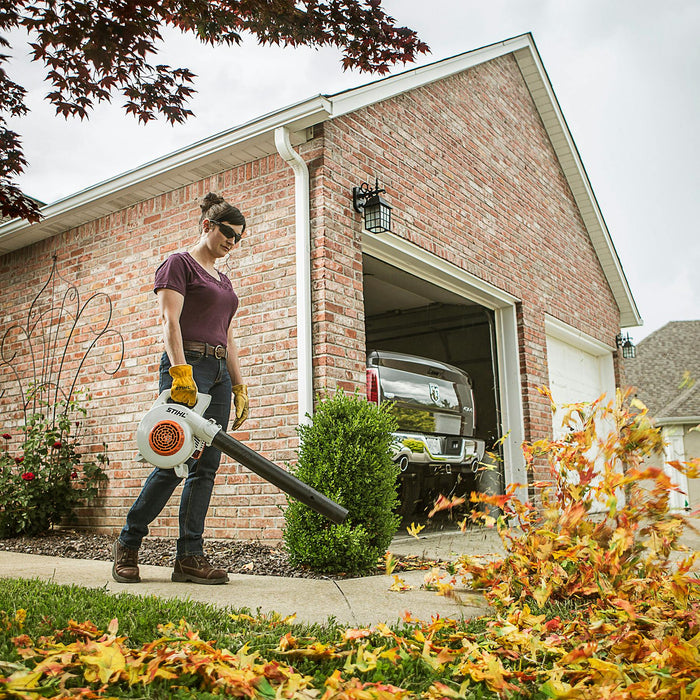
x=209, y=304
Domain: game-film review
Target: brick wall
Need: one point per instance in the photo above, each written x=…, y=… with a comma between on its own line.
x=117, y=256
x=472, y=178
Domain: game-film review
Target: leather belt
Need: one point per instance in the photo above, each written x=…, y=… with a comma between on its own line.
x=218, y=351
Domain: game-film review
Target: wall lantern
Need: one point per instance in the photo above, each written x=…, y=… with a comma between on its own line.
x=376, y=209
x=629, y=349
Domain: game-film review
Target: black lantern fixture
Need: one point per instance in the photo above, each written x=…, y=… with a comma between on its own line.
x=376, y=209
x=629, y=349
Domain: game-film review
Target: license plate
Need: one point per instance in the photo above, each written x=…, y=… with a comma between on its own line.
x=434, y=446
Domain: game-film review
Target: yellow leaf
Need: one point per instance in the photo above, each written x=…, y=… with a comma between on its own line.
x=20, y=617
x=384, y=630
x=108, y=663
x=364, y=661
x=399, y=585
x=391, y=655
x=334, y=680
x=414, y=529
x=554, y=688
x=541, y=594
x=23, y=680
x=242, y=616
x=607, y=668
x=314, y=651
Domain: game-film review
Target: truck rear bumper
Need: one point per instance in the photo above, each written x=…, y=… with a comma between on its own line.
x=417, y=451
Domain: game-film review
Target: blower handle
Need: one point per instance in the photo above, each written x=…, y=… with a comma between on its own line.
x=279, y=477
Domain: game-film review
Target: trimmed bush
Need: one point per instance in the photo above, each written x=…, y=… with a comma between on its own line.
x=345, y=453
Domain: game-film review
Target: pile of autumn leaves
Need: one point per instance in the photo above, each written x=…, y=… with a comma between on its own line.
x=587, y=604
x=602, y=549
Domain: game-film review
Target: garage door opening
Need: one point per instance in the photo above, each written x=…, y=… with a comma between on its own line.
x=406, y=314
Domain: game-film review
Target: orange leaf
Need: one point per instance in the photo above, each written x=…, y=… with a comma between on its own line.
x=443, y=503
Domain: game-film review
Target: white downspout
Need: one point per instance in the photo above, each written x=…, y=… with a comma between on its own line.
x=303, y=271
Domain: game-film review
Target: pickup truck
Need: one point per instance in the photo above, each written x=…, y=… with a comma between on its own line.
x=434, y=406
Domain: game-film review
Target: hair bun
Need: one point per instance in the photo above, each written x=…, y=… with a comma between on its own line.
x=210, y=199
x=215, y=208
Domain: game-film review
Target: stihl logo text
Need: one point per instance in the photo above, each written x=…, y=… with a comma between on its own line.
x=182, y=414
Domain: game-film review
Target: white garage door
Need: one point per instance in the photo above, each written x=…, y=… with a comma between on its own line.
x=580, y=368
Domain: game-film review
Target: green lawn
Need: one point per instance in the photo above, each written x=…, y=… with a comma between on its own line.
x=383, y=657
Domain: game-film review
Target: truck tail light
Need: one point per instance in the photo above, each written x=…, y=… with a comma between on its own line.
x=373, y=385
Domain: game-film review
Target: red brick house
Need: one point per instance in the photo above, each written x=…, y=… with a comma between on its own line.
x=498, y=261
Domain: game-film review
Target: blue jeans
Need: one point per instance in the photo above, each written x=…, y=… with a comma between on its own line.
x=211, y=377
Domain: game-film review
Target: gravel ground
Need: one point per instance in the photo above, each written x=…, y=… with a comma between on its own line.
x=237, y=557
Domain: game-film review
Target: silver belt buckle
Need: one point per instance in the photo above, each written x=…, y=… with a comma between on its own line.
x=220, y=352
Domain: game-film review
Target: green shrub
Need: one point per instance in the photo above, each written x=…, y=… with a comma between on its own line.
x=46, y=478
x=345, y=453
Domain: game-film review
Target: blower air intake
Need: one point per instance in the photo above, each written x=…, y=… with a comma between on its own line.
x=166, y=438
x=170, y=434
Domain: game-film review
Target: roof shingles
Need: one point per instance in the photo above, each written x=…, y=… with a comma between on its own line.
x=666, y=371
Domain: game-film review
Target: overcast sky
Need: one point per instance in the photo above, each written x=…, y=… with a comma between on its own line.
x=626, y=74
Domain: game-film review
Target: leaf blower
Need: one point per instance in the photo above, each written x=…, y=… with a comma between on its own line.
x=170, y=434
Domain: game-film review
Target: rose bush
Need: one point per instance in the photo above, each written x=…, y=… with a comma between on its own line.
x=43, y=475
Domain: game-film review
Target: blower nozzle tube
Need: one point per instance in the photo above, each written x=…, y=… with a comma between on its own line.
x=279, y=477
x=170, y=433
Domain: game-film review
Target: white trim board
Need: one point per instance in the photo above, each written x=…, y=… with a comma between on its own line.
x=573, y=336
x=409, y=257
x=429, y=267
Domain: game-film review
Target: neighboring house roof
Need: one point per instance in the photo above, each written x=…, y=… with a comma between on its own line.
x=666, y=372
x=256, y=139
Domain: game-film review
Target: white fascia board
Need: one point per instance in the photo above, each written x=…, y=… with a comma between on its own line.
x=156, y=177
x=545, y=100
x=385, y=88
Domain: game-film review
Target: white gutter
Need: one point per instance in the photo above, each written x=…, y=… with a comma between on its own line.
x=677, y=420
x=303, y=271
x=224, y=151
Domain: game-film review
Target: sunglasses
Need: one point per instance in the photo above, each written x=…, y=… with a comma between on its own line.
x=227, y=230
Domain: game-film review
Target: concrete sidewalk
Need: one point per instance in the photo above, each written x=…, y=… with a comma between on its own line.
x=355, y=602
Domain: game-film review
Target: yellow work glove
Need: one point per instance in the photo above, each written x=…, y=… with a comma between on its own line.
x=240, y=403
x=183, y=390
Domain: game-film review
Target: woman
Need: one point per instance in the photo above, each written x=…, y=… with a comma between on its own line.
x=197, y=304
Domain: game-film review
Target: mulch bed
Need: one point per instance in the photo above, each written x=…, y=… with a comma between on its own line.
x=237, y=557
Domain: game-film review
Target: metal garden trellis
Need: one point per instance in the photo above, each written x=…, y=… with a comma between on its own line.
x=37, y=353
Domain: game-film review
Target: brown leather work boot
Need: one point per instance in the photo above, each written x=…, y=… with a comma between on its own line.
x=126, y=564
x=197, y=570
